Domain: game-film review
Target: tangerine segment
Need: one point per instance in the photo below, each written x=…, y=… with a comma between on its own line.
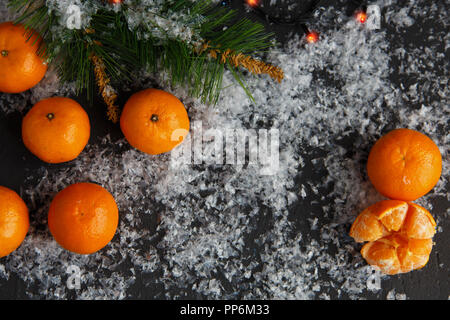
x=419, y=223
x=404, y=164
x=415, y=255
x=14, y=221
x=367, y=227
x=20, y=66
x=83, y=218
x=391, y=213
x=383, y=255
x=378, y=220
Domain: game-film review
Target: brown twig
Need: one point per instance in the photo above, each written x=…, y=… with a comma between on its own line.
x=107, y=92
x=240, y=60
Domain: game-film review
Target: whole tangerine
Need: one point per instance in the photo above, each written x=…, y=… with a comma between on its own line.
x=14, y=221
x=20, y=66
x=56, y=129
x=83, y=218
x=404, y=164
x=154, y=121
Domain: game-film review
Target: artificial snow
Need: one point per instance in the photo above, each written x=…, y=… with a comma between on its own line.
x=229, y=232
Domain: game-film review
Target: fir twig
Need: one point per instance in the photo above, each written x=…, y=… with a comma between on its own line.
x=105, y=89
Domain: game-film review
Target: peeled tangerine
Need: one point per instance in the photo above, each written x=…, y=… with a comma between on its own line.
x=399, y=235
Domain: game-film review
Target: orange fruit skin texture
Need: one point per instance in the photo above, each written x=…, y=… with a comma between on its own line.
x=404, y=164
x=61, y=138
x=20, y=67
x=399, y=235
x=83, y=218
x=14, y=221
x=154, y=137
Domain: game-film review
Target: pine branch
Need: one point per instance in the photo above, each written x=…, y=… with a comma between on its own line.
x=110, y=50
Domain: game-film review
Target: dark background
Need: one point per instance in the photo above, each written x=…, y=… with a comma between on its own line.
x=16, y=164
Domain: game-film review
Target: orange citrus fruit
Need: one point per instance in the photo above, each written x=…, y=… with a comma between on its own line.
x=419, y=223
x=379, y=220
x=399, y=235
x=83, y=218
x=56, y=129
x=396, y=254
x=14, y=221
x=404, y=164
x=154, y=121
x=20, y=66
